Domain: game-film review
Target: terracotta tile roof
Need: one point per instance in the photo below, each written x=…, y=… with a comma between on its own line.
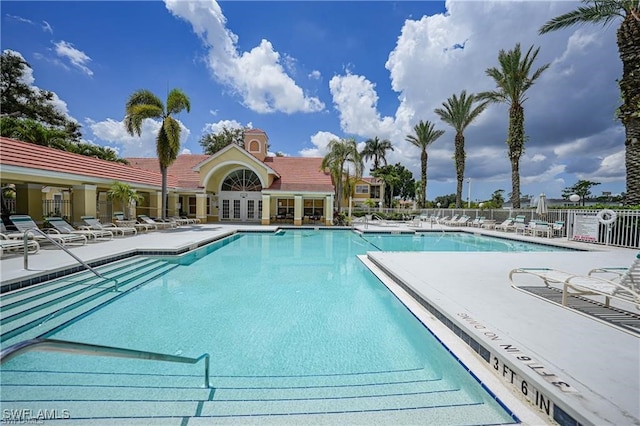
x=181, y=169
x=299, y=174
x=25, y=155
x=372, y=180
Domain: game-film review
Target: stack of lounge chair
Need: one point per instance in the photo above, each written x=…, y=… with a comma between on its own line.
x=94, y=224
x=63, y=227
x=25, y=224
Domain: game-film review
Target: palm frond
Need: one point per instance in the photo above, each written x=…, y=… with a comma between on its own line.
x=599, y=11
x=144, y=97
x=168, y=142
x=177, y=101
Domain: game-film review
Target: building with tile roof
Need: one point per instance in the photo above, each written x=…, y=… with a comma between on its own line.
x=235, y=184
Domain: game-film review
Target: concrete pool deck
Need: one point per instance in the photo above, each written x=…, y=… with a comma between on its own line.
x=528, y=339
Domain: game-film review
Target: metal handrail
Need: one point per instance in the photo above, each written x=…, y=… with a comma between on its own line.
x=78, y=348
x=60, y=246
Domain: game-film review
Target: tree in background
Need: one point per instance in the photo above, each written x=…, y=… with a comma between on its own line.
x=28, y=130
x=376, y=149
x=459, y=112
x=424, y=136
x=407, y=185
x=628, y=40
x=581, y=188
x=342, y=159
x=497, y=198
x=446, y=201
x=398, y=181
x=19, y=100
x=513, y=78
x=143, y=104
x=214, y=142
x=389, y=175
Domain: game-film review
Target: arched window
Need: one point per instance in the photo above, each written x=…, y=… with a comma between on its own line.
x=242, y=180
x=254, y=146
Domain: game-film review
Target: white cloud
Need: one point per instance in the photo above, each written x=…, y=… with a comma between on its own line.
x=46, y=27
x=315, y=75
x=320, y=140
x=611, y=168
x=229, y=124
x=21, y=19
x=115, y=132
x=258, y=75
x=356, y=100
x=78, y=58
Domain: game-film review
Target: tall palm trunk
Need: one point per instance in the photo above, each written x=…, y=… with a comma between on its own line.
x=460, y=159
x=515, y=141
x=628, y=35
x=423, y=178
x=163, y=171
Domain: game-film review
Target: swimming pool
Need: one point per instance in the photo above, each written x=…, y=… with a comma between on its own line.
x=295, y=325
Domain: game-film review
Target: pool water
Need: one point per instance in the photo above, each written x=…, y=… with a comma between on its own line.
x=451, y=241
x=296, y=304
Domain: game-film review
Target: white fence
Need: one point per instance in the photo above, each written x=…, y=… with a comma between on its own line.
x=624, y=232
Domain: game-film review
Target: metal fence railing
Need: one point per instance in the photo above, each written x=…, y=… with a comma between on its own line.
x=624, y=232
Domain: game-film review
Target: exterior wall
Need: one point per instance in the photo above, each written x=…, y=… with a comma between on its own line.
x=84, y=202
x=29, y=200
x=360, y=198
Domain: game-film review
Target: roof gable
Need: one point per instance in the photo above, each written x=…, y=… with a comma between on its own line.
x=234, y=147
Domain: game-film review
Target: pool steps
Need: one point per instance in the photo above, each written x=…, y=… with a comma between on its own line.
x=24, y=311
x=111, y=396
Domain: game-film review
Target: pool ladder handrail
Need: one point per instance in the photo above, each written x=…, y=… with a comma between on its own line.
x=60, y=246
x=78, y=348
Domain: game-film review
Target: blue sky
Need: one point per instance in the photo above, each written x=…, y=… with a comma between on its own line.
x=307, y=72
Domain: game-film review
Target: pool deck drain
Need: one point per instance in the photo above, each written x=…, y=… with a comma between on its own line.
x=599, y=363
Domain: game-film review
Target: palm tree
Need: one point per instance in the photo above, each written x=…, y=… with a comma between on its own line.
x=376, y=149
x=459, y=113
x=125, y=194
x=342, y=154
x=513, y=79
x=628, y=40
x=143, y=104
x=424, y=136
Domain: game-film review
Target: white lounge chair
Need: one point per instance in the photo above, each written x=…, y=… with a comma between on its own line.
x=504, y=226
x=24, y=223
x=624, y=287
x=557, y=228
x=94, y=224
x=122, y=221
x=537, y=227
x=8, y=245
x=62, y=226
x=454, y=218
x=146, y=220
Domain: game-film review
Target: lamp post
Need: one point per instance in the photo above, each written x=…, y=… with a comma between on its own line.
x=574, y=198
x=469, y=193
